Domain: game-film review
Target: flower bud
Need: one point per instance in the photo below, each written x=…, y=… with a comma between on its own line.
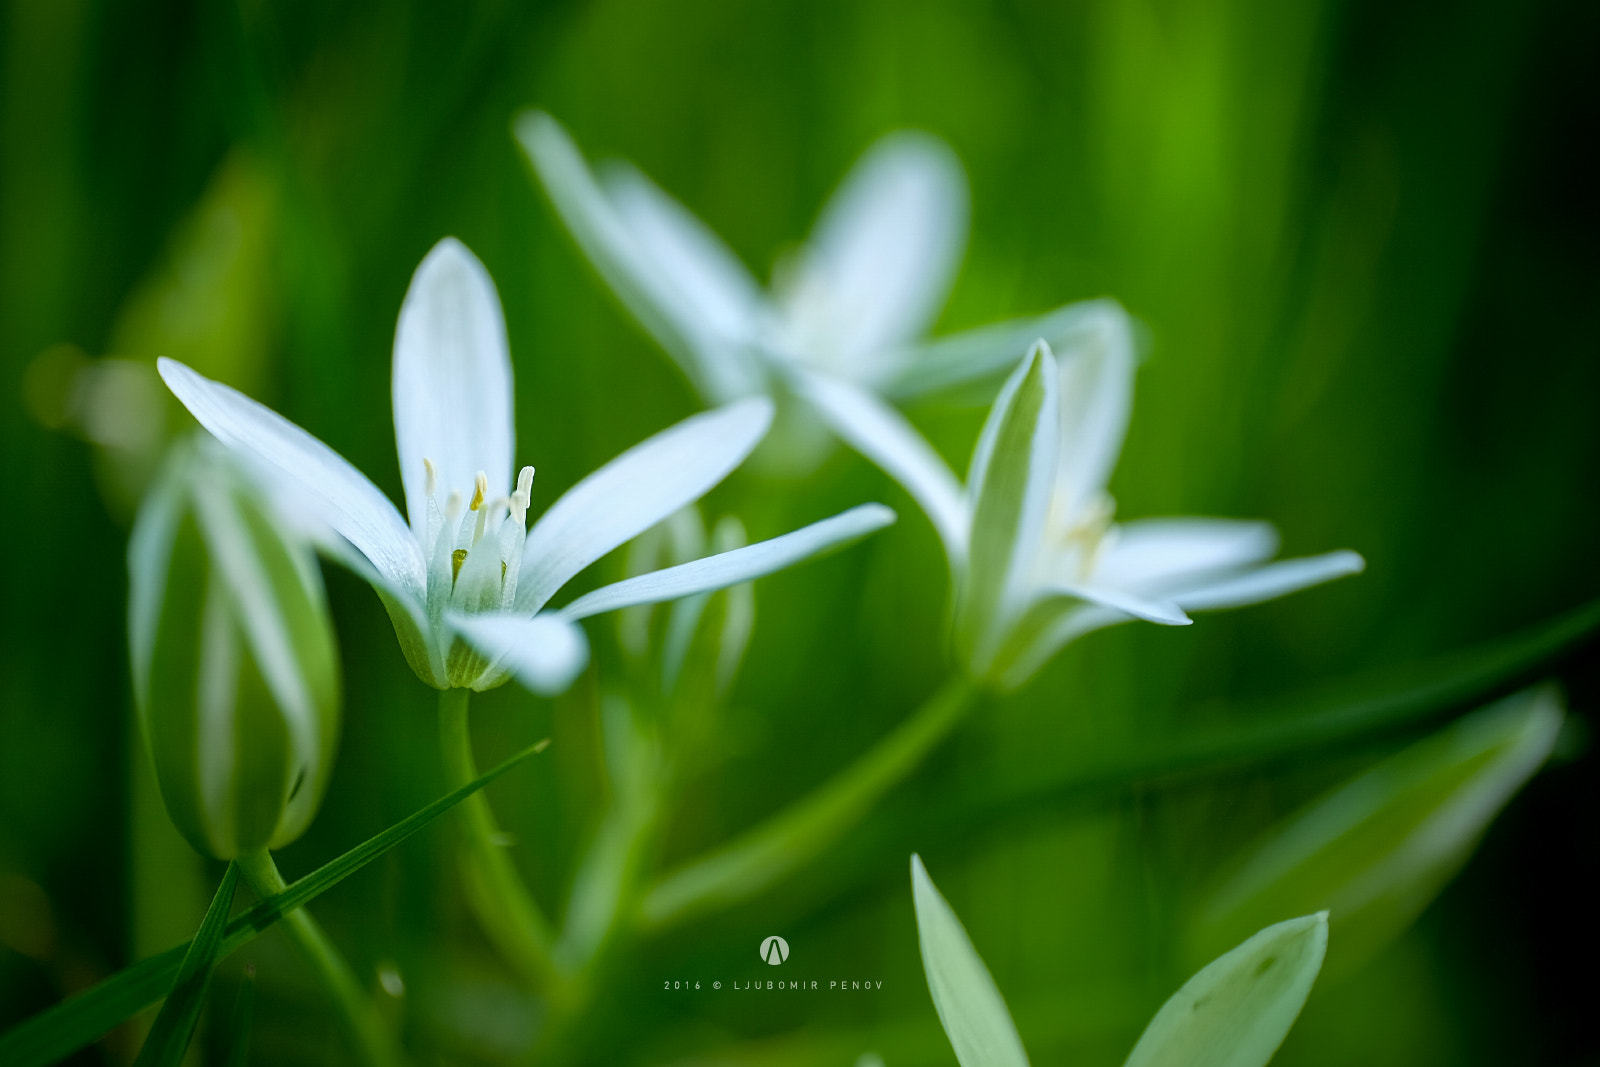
x=234, y=667
x=691, y=648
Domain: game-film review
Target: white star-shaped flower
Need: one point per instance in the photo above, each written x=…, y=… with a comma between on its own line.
x=1031, y=541
x=853, y=302
x=466, y=583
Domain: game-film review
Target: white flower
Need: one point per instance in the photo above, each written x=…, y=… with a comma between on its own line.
x=466, y=584
x=1031, y=540
x=853, y=302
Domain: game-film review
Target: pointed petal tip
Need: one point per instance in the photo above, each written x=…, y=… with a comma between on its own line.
x=449, y=253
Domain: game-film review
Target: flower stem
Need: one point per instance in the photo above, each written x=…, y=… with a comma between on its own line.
x=368, y=1038
x=795, y=835
x=497, y=894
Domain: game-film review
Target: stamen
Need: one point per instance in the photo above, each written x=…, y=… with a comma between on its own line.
x=480, y=490
x=452, y=508
x=430, y=481
x=522, y=496
x=457, y=558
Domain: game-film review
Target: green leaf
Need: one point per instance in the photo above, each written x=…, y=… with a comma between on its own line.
x=169, y=1038
x=1013, y=472
x=970, y=1007
x=59, y=1031
x=1378, y=849
x=240, y=1022
x=1237, y=1010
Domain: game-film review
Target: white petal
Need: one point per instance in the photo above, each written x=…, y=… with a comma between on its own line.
x=1267, y=582
x=544, y=653
x=308, y=470
x=634, y=492
x=709, y=277
x=990, y=351
x=1150, y=552
x=1150, y=609
x=735, y=566
x=885, y=250
x=882, y=435
x=970, y=1007
x=629, y=268
x=452, y=380
x=1096, y=399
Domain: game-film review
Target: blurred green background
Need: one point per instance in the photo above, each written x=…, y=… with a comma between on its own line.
x=1361, y=236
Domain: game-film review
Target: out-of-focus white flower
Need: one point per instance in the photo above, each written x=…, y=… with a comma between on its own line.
x=1031, y=541
x=854, y=302
x=467, y=584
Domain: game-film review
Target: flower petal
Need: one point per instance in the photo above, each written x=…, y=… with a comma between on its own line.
x=882, y=435
x=884, y=252
x=1096, y=400
x=309, y=471
x=639, y=280
x=634, y=492
x=710, y=278
x=452, y=381
x=1267, y=582
x=1149, y=609
x=987, y=352
x=1013, y=473
x=544, y=653
x=734, y=566
x=1150, y=552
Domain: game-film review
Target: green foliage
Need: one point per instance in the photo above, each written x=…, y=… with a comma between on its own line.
x=1236, y=1011
x=169, y=1038
x=970, y=1007
x=1375, y=851
x=77, y=1021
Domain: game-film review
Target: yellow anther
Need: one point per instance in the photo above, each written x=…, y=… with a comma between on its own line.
x=479, y=491
x=457, y=558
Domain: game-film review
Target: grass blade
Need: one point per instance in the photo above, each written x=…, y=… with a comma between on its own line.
x=169, y=1038
x=57, y=1032
x=239, y=1024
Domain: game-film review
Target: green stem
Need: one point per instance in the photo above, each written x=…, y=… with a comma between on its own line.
x=500, y=899
x=767, y=852
x=358, y=1018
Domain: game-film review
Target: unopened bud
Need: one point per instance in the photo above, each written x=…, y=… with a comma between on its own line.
x=234, y=666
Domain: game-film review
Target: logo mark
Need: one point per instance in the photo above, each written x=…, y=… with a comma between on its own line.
x=774, y=950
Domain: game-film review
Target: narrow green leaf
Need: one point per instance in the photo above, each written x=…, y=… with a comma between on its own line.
x=169, y=1038
x=59, y=1031
x=243, y=1018
x=1237, y=1010
x=970, y=1007
x=1377, y=850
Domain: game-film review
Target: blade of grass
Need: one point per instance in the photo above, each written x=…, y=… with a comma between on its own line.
x=174, y=1026
x=59, y=1031
x=243, y=1016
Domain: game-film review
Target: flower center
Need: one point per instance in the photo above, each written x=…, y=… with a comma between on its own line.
x=475, y=553
x=1077, y=541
